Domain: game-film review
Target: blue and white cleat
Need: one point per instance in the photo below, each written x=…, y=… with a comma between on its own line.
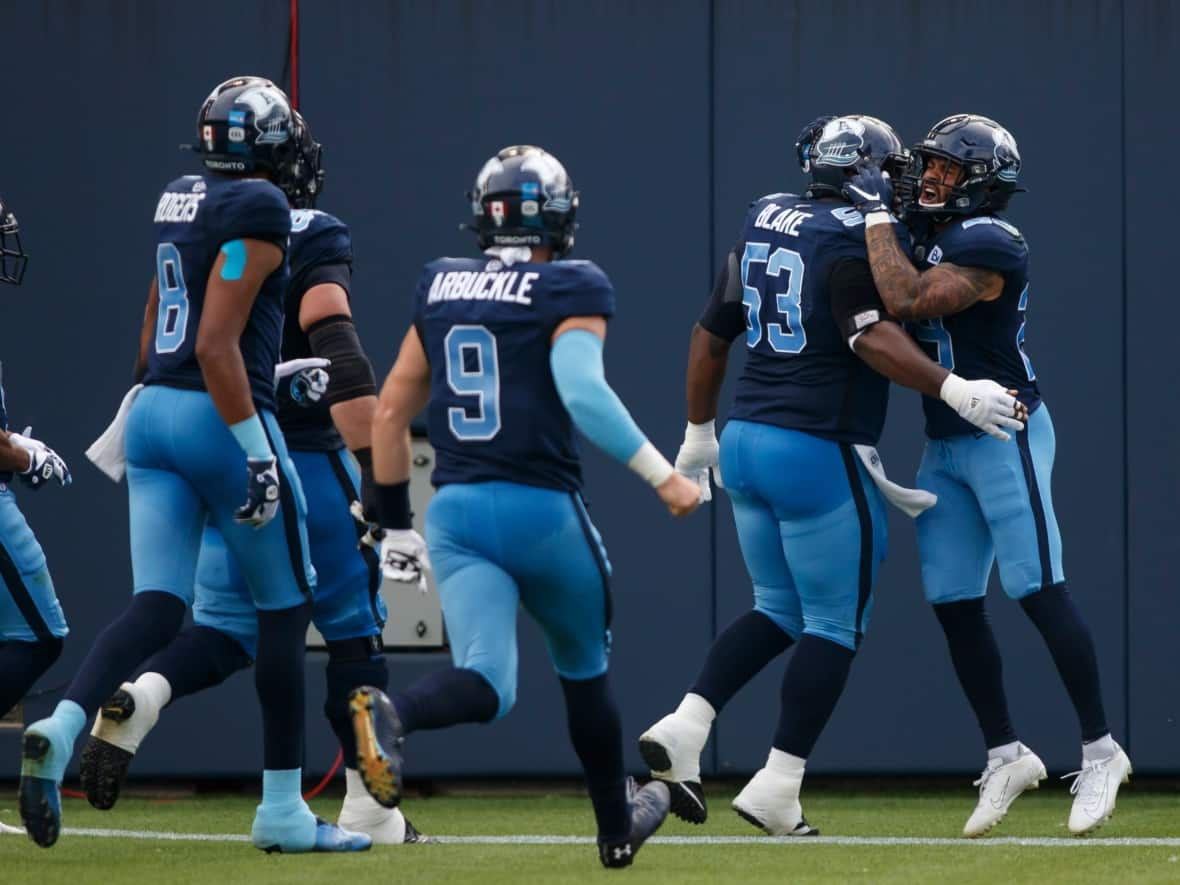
x=379, y=739
x=42, y=763
x=330, y=837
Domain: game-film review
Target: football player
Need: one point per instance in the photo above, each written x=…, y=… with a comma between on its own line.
x=323, y=417
x=507, y=351
x=795, y=458
x=32, y=626
x=203, y=422
x=966, y=301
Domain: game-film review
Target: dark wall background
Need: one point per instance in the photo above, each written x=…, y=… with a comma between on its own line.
x=671, y=116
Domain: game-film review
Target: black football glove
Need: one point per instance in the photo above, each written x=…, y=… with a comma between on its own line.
x=262, y=493
x=869, y=190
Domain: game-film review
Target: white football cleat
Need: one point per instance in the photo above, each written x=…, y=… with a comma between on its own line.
x=1095, y=788
x=770, y=801
x=120, y=726
x=999, y=785
x=672, y=750
x=361, y=813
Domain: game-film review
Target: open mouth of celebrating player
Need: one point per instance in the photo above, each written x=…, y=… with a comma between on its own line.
x=938, y=178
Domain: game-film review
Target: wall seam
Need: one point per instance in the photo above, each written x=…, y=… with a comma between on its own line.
x=1126, y=384
x=711, y=229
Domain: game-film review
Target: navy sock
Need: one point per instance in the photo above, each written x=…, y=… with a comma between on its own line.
x=978, y=665
x=198, y=658
x=812, y=685
x=1053, y=611
x=346, y=671
x=738, y=655
x=278, y=678
x=22, y=664
x=146, y=626
x=446, y=697
x=597, y=735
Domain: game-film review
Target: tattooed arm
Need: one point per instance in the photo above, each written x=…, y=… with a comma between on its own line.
x=913, y=295
x=708, y=355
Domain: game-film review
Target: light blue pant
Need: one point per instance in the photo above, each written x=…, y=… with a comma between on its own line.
x=993, y=504
x=184, y=469
x=347, y=604
x=29, y=610
x=493, y=544
x=811, y=525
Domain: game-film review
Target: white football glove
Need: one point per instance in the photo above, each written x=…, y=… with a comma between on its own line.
x=44, y=463
x=984, y=403
x=403, y=557
x=699, y=453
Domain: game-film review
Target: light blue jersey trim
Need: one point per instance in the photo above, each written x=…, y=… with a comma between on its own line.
x=578, y=374
x=252, y=438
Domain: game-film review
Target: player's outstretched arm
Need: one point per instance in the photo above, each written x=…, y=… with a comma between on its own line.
x=12, y=456
x=238, y=274
x=403, y=395
x=708, y=358
x=580, y=378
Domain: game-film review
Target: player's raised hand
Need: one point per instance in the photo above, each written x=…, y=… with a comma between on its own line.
x=699, y=453
x=44, y=463
x=869, y=189
x=404, y=558
x=306, y=379
x=680, y=494
x=262, y=493
x=985, y=404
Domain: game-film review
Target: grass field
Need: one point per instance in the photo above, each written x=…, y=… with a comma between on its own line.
x=886, y=811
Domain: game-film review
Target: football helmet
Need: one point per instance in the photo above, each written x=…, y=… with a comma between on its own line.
x=302, y=179
x=830, y=148
x=246, y=125
x=524, y=197
x=13, y=259
x=983, y=149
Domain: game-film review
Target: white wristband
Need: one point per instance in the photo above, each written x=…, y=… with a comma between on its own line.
x=651, y=465
x=953, y=390
x=705, y=432
x=875, y=218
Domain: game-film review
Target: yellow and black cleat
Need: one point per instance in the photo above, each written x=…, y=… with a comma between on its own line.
x=379, y=739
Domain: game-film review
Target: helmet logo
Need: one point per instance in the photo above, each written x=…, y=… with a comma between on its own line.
x=1007, y=160
x=840, y=143
x=270, y=114
x=236, y=134
x=496, y=210
x=207, y=137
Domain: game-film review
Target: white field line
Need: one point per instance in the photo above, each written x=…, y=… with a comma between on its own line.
x=1008, y=841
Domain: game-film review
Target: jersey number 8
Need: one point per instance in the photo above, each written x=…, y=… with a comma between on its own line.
x=172, y=319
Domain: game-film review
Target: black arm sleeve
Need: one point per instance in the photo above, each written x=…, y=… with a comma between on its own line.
x=350, y=376
x=724, y=315
x=856, y=304
x=339, y=273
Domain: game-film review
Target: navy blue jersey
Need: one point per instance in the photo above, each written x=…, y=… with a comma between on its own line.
x=494, y=411
x=800, y=372
x=987, y=339
x=196, y=214
x=317, y=239
x=6, y=475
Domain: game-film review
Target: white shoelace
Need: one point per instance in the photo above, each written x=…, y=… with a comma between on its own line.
x=1088, y=781
x=987, y=773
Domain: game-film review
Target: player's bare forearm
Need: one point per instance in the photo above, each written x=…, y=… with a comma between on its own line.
x=895, y=276
x=891, y=352
x=354, y=419
x=403, y=395
x=225, y=377
x=13, y=457
x=148, y=331
x=938, y=292
x=708, y=356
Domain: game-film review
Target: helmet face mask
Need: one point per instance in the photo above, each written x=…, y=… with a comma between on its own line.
x=981, y=149
x=831, y=148
x=302, y=179
x=13, y=259
x=246, y=126
x=524, y=197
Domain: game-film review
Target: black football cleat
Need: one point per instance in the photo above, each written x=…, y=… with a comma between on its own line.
x=649, y=808
x=379, y=739
x=103, y=767
x=413, y=837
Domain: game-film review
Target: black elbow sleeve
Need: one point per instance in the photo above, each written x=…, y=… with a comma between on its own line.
x=350, y=375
